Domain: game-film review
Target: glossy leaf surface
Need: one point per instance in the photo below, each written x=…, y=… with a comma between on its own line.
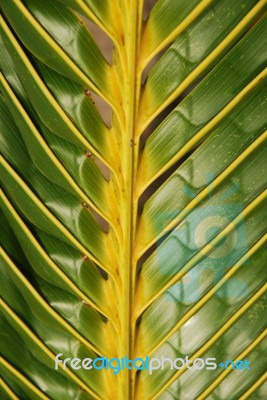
x=142, y=234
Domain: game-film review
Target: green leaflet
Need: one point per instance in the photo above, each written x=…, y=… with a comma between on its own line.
x=171, y=306
x=181, y=130
x=72, y=37
x=50, y=113
x=54, y=154
x=78, y=315
x=229, y=202
x=237, y=135
x=23, y=343
x=164, y=18
x=202, y=379
x=205, y=42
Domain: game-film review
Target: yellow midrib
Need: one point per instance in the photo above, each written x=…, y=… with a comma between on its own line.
x=129, y=43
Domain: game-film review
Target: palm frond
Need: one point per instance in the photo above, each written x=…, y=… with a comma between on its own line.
x=143, y=235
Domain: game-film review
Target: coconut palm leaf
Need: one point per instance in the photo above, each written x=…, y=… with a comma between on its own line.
x=141, y=234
